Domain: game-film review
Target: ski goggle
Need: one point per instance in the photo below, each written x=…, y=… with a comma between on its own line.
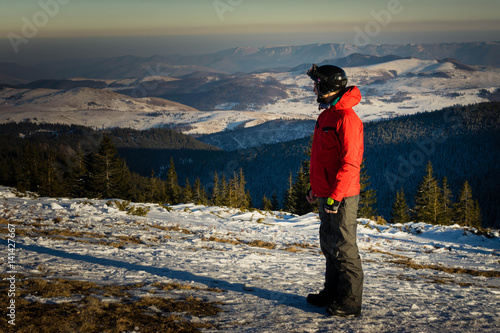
x=315, y=75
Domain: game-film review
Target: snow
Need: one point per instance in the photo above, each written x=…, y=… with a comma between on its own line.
x=405, y=66
x=423, y=85
x=399, y=87
x=265, y=287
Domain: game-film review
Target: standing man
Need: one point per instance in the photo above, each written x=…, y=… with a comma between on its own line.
x=336, y=156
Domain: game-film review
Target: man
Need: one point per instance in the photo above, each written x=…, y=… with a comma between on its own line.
x=336, y=156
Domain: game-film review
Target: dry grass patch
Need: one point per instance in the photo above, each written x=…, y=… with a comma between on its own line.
x=31, y=230
x=172, y=228
x=254, y=243
x=221, y=240
x=5, y=222
x=297, y=247
x=92, y=314
x=259, y=243
x=454, y=270
x=57, y=287
x=388, y=253
x=407, y=262
x=119, y=291
x=130, y=239
x=292, y=248
x=304, y=245
x=441, y=280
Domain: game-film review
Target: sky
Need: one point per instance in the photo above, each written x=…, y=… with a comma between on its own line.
x=37, y=30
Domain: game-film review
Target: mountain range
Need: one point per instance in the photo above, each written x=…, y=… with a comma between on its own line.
x=247, y=59
x=209, y=102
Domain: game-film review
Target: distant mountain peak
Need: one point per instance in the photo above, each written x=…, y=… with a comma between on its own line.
x=245, y=51
x=457, y=64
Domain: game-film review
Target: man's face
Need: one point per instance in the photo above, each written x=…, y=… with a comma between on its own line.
x=315, y=89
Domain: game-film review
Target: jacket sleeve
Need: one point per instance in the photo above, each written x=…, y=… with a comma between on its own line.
x=350, y=132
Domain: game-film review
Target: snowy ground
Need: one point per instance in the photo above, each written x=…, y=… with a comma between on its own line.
x=265, y=263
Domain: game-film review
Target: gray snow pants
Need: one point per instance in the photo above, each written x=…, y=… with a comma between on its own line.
x=344, y=274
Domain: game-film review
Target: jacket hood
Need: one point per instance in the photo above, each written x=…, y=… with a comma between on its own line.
x=350, y=98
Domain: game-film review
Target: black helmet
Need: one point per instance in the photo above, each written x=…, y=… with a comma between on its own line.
x=328, y=77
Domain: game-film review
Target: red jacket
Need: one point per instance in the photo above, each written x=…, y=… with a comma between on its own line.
x=337, y=149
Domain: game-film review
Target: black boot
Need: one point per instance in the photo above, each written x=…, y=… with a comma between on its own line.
x=322, y=299
x=343, y=310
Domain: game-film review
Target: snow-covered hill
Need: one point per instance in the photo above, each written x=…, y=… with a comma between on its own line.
x=404, y=86
x=255, y=266
x=405, y=66
x=401, y=86
x=85, y=106
x=79, y=99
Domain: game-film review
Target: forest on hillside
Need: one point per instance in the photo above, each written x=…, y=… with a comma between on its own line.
x=461, y=142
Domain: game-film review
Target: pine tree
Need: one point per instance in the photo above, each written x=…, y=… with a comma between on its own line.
x=155, y=189
x=298, y=194
x=79, y=175
x=248, y=199
x=467, y=211
x=109, y=175
x=49, y=181
x=140, y=189
x=446, y=216
x=288, y=200
x=428, y=202
x=124, y=187
x=174, y=191
x=231, y=192
x=187, y=192
x=400, y=209
x=199, y=194
x=243, y=199
x=295, y=200
x=216, y=192
x=224, y=190
x=28, y=179
x=274, y=202
x=367, y=197
x=266, y=204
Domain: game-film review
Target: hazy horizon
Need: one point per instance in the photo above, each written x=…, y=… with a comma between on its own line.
x=45, y=30
x=59, y=49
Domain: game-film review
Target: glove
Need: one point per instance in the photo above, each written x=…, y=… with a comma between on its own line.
x=311, y=198
x=331, y=204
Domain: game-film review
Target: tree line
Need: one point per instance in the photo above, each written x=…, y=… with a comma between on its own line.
x=433, y=202
x=434, y=205
x=104, y=174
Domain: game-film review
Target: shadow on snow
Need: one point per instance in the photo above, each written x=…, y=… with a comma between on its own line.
x=296, y=301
